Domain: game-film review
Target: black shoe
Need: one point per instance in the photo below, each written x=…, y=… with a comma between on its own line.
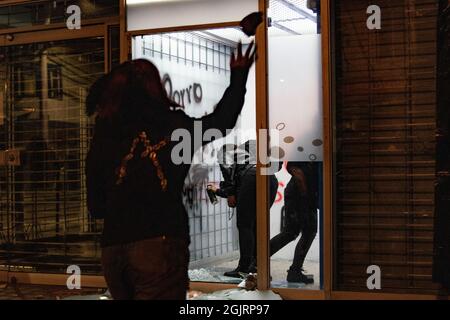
x=241, y=272
x=236, y=273
x=297, y=275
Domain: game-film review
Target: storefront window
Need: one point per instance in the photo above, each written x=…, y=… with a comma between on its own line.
x=195, y=68
x=50, y=12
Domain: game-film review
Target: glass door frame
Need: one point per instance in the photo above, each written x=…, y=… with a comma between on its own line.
x=262, y=122
x=127, y=55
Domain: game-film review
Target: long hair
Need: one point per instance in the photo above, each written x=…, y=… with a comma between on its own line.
x=130, y=90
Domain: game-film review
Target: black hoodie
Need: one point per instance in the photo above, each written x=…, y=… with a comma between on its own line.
x=139, y=209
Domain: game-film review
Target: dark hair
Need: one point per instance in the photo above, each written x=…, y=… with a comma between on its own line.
x=131, y=89
x=94, y=95
x=295, y=164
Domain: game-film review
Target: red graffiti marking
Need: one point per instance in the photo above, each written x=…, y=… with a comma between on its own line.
x=279, y=197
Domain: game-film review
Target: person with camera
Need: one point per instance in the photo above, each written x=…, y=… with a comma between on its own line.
x=239, y=188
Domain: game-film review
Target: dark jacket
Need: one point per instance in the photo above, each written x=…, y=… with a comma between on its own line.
x=138, y=209
x=294, y=199
x=244, y=159
x=227, y=185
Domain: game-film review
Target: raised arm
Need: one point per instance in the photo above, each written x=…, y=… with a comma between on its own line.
x=230, y=106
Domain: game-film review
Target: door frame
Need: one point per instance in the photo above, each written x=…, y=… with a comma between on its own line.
x=262, y=122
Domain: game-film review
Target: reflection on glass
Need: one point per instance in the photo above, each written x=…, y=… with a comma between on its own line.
x=44, y=224
x=295, y=115
x=195, y=70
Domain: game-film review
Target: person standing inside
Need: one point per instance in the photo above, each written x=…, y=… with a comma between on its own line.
x=239, y=187
x=301, y=205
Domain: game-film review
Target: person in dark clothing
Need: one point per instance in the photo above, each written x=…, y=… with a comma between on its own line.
x=227, y=160
x=301, y=204
x=239, y=187
x=133, y=183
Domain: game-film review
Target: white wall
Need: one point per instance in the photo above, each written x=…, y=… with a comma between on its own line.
x=174, y=13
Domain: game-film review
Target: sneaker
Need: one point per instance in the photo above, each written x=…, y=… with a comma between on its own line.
x=297, y=275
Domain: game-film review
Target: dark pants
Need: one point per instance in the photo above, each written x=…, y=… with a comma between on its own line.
x=246, y=215
x=153, y=269
x=304, y=221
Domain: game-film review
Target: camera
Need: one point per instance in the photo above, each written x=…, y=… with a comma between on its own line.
x=211, y=194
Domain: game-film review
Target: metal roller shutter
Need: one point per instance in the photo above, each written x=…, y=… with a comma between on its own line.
x=44, y=223
x=385, y=145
